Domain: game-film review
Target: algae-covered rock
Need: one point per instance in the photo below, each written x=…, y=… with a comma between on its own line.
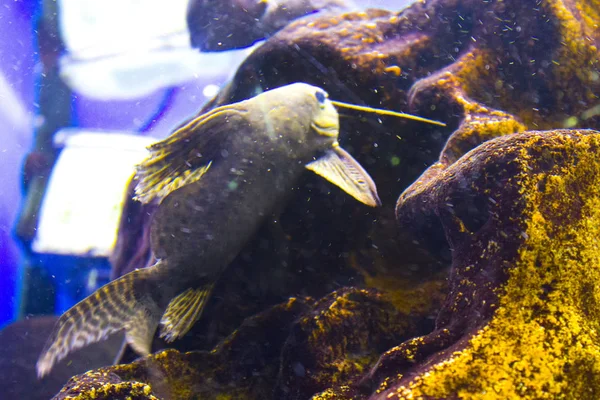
x=293, y=350
x=338, y=341
x=521, y=320
x=101, y=385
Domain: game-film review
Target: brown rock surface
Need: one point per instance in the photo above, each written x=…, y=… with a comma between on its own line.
x=521, y=318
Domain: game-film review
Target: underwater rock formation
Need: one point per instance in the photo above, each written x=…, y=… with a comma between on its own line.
x=521, y=320
x=514, y=301
x=292, y=348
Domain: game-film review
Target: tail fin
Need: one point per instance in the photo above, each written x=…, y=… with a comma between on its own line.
x=125, y=303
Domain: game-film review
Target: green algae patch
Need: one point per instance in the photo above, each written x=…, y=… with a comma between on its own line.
x=542, y=341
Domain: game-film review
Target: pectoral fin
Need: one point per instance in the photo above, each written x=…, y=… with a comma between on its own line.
x=185, y=156
x=341, y=169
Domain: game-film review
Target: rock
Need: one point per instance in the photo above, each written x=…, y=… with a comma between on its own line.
x=99, y=385
x=338, y=341
x=243, y=364
x=521, y=319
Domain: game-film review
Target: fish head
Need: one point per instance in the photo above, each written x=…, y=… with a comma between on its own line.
x=320, y=115
x=300, y=116
x=330, y=161
x=303, y=119
x=325, y=122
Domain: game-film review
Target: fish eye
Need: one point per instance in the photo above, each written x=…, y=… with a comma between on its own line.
x=320, y=96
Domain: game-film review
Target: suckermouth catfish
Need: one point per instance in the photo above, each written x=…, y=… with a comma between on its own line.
x=217, y=178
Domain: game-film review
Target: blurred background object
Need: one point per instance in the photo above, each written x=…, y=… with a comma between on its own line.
x=81, y=209
x=110, y=55
x=17, y=106
x=220, y=25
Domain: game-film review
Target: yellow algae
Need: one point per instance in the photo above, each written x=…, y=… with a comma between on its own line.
x=589, y=12
x=542, y=342
x=339, y=393
x=406, y=295
x=113, y=390
x=344, y=32
x=393, y=69
x=479, y=128
x=342, y=333
x=571, y=29
x=410, y=297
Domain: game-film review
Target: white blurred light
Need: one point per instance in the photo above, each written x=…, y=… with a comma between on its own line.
x=210, y=91
x=87, y=189
x=11, y=107
x=125, y=49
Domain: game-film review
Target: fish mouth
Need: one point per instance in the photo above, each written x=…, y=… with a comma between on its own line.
x=329, y=130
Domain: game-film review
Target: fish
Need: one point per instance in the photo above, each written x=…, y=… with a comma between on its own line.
x=216, y=180
x=220, y=25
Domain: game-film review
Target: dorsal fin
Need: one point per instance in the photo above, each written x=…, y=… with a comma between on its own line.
x=185, y=155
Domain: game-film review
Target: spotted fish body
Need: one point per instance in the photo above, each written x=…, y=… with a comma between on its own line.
x=217, y=178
